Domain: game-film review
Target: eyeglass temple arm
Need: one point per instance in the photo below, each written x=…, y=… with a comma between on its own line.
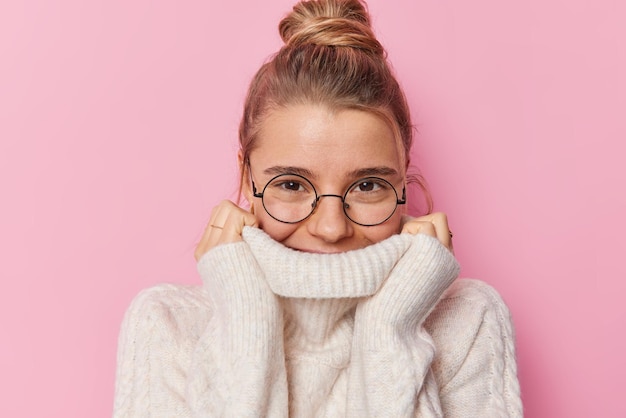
x=403, y=200
x=254, y=192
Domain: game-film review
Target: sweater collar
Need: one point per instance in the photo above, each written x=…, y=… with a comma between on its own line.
x=351, y=274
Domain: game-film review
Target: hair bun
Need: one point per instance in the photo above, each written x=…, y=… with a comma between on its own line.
x=330, y=23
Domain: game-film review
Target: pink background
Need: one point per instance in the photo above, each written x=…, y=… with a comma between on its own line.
x=118, y=126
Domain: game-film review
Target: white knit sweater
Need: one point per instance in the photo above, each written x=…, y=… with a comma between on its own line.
x=377, y=332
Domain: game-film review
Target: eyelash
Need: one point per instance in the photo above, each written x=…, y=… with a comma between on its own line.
x=284, y=184
x=376, y=184
x=304, y=187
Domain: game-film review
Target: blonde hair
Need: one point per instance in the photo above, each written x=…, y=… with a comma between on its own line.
x=331, y=57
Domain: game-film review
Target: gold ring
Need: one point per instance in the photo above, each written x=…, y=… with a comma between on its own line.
x=215, y=226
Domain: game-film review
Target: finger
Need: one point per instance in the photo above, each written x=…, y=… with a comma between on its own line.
x=234, y=224
x=416, y=226
x=225, y=225
x=213, y=229
x=203, y=245
x=405, y=219
x=440, y=220
x=440, y=228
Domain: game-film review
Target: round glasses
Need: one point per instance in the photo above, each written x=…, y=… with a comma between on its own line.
x=291, y=198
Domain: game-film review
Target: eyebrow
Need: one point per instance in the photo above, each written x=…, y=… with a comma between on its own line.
x=373, y=172
x=358, y=173
x=279, y=169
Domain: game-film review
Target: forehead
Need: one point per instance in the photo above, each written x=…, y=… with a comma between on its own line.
x=321, y=140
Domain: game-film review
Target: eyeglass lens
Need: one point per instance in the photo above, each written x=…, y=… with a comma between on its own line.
x=291, y=198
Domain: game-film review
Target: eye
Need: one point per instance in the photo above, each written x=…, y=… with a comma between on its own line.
x=369, y=185
x=366, y=186
x=290, y=185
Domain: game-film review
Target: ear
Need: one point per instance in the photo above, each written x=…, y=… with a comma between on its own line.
x=246, y=185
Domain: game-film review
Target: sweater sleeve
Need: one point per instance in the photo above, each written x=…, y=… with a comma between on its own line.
x=475, y=365
x=158, y=334
x=237, y=368
x=206, y=351
x=390, y=369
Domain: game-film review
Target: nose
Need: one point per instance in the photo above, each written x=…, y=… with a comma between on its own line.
x=329, y=222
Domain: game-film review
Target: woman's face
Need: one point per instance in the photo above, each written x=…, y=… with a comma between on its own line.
x=332, y=149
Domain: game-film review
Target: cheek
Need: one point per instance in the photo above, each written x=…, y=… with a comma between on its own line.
x=279, y=231
x=381, y=232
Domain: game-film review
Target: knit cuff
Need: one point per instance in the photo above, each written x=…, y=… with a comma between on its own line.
x=245, y=309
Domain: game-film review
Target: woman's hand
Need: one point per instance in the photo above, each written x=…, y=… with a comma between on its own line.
x=225, y=226
x=434, y=224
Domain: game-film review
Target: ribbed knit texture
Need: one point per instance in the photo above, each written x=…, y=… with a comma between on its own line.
x=352, y=274
x=380, y=331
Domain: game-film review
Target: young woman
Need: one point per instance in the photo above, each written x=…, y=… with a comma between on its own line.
x=324, y=299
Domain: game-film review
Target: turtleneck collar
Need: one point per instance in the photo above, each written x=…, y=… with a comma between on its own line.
x=351, y=274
